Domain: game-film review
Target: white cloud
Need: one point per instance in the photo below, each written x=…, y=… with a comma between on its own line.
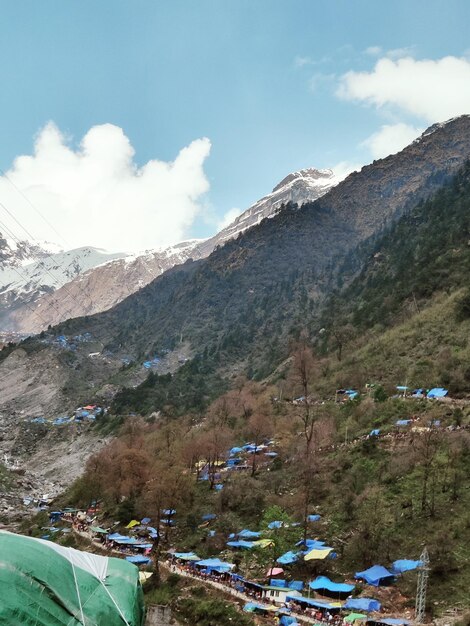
x=97, y=195
x=432, y=90
x=391, y=138
x=373, y=51
x=344, y=168
x=228, y=218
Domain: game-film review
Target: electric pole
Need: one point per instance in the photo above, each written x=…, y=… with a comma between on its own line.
x=423, y=575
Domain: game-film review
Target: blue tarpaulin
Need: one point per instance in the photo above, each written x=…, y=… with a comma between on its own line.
x=209, y=516
x=403, y=422
x=313, y=518
x=363, y=604
x=215, y=565
x=138, y=559
x=375, y=575
x=437, y=392
x=277, y=582
x=319, y=604
x=247, y=545
x=375, y=432
x=235, y=450
x=404, y=565
x=249, y=534
x=275, y=524
x=323, y=582
x=288, y=620
x=146, y=520
x=311, y=544
x=186, y=556
x=297, y=585
x=250, y=607
x=287, y=558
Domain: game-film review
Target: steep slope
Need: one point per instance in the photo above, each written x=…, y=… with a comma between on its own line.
x=28, y=272
x=398, y=313
x=247, y=293
x=110, y=283
x=306, y=185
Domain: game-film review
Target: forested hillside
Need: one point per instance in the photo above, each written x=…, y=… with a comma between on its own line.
x=387, y=280
x=253, y=290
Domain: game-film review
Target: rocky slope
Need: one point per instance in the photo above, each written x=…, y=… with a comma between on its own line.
x=28, y=272
x=102, y=287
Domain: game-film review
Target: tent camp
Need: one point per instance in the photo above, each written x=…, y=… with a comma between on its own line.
x=324, y=584
x=376, y=575
x=43, y=583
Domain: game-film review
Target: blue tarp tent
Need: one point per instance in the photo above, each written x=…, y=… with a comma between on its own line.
x=209, y=516
x=323, y=582
x=275, y=524
x=247, y=545
x=235, y=450
x=319, y=604
x=277, y=582
x=313, y=518
x=311, y=544
x=215, y=565
x=437, y=392
x=297, y=585
x=404, y=565
x=375, y=432
x=363, y=604
x=252, y=607
x=403, y=422
x=186, y=556
x=146, y=520
x=288, y=620
x=376, y=575
x=249, y=534
x=138, y=559
x=287, y=558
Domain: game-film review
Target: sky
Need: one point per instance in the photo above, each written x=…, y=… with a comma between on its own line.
x=134, y=124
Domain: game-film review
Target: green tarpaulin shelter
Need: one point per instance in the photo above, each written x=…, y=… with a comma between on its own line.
x=44, y=584
x=352, y=617
x=98, y=529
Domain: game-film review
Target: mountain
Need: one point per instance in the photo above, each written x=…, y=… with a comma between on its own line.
x=28, y=272
x=241, y=303
x=100, y=288
x=306, y=185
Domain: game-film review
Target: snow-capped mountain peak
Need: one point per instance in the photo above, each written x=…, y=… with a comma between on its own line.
x=107, y=280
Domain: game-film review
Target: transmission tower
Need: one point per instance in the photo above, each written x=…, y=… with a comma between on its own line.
x=423, y=575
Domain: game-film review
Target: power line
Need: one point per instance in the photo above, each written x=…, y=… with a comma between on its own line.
x=41, y=261
x=25, y=278
x=33, y=207
x=23, y=195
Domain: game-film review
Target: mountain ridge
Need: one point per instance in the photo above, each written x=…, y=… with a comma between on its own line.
x=104, y=285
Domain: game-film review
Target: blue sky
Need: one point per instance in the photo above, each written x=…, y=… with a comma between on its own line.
x=261, y=79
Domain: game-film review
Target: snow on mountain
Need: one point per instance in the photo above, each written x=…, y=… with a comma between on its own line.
x=29, y=271
x=299, y=187
x=110, y=281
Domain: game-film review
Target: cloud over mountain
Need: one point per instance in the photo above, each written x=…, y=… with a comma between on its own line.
x=433, y=90
x=95, y=194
